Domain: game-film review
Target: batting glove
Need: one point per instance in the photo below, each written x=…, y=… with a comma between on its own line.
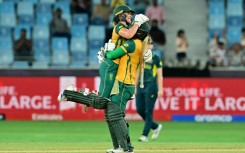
x=109, y=46
x=100, y=56
x=140, y=19
x=148, y=56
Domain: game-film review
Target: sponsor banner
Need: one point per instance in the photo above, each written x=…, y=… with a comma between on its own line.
x=35, y=98
x=209, y=118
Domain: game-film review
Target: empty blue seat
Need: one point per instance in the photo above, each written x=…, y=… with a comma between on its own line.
x=96, y=32
x=42, y=56
x=80, y=19
x=41, y=45
x=25, y=8
x=43, y=8
x=41, y=32
x=48, y=1
x=78, y=59
x=26, y=20
x=79, y=56
x=6, y=57
x=44, y=18
x=79, y=31
x=216, y=21
x=5, y=32
x=40, y=65
x=96, y=44
x=31, y=1
x=77, y=65
x=20, y=65
x=216, y=9
x=97, y=21
x=7, y=7
x=78, y=45
x=234, y=10
x=17, y=31
x=6, y=44
x=8, y=20
x=59, y=44
x=11, y=1
x=216, y=1
x=235, y=21
x=60, y=58
x=93, y=60
x=235, y=2
x=233, y=35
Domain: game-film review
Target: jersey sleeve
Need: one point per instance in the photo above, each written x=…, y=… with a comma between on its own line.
x=127, y=47
x=119, y=26
x=158, y=61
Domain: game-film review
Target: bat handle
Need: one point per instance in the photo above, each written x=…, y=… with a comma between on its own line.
x=141, y=85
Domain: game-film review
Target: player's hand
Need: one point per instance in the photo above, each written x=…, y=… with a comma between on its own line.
x=140, y=19
x=160, y=93
x=148, y=56
x=109, y=46
x=100, y=56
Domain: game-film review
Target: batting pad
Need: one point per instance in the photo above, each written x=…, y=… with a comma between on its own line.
x=112, y=133
x=118, y=124
x=91, y=99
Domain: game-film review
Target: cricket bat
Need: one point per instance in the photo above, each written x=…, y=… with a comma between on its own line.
x=142, y=62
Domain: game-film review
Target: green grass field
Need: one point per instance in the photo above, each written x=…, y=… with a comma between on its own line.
x=93, y=137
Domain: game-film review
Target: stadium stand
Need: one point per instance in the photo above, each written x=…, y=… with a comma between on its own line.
x=208, y=17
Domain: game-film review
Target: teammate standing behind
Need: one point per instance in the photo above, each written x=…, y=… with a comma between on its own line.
x=146, y=97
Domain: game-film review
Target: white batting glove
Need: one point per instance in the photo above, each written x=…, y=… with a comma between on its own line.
x=148, y=56
x=140, y=19
x=110, y=46
x=100, y=56
x=144, y=18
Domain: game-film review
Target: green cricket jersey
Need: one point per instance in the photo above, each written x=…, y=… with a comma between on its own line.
x=150, y=71
x=129, y=62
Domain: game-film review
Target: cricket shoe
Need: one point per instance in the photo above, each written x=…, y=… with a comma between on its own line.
x=120, y=150
x=109, y=151
x=61, y=97
x=156, y=132
x=143, y=138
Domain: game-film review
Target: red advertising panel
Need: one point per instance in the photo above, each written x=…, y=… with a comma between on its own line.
x=35, y=98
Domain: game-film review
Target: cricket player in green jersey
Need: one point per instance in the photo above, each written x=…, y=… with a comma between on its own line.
x=131, y=53
x=122, y=20
x=146, y=97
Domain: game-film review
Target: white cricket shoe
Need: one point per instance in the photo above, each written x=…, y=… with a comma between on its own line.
x=156, y=132
x=61, y=97
x=120, y=150
x=143, y=138
x=109, y=151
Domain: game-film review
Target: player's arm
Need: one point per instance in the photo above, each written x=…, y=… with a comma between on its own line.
x=127, y=47
x=159, y=77
x=160, y=82
x=128, y=33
